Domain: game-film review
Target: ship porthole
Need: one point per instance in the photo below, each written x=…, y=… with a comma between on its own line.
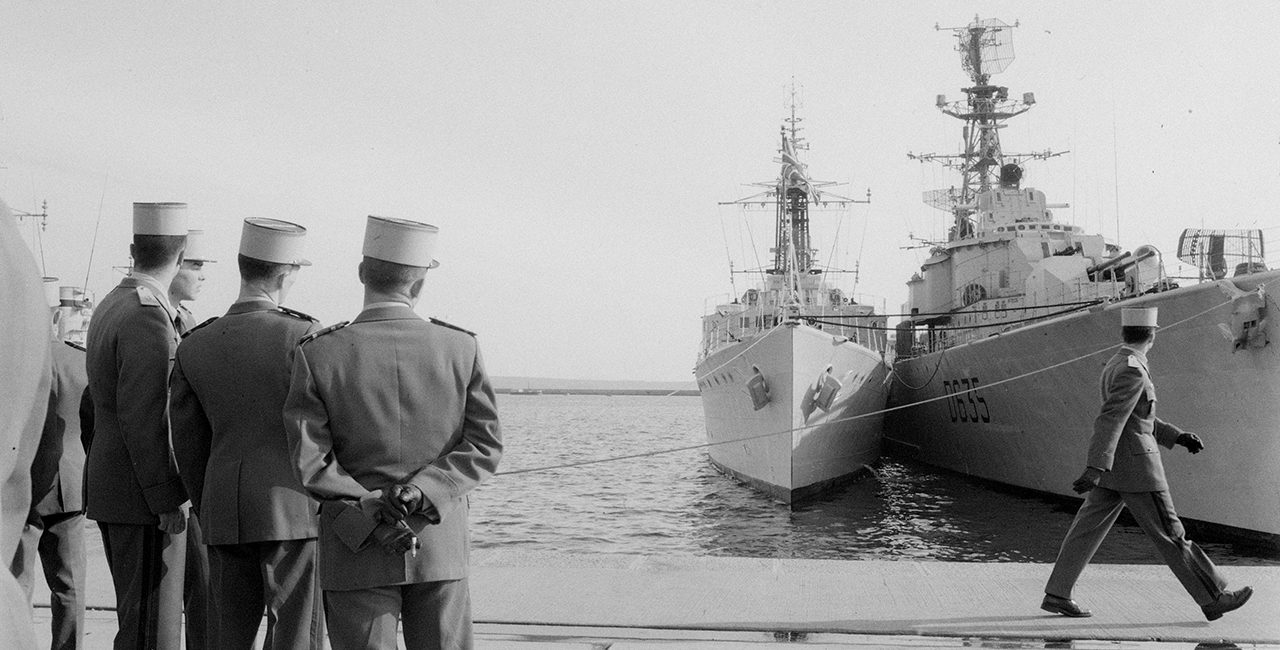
x=973, y=293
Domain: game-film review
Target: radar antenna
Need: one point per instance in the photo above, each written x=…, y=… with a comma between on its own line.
x=986, y=48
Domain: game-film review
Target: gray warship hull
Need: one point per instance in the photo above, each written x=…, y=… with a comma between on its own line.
x=1018, y=407
x=800, y=442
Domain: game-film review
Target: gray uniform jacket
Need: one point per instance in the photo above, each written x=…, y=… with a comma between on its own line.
x=57, y=473
x=131, y=475
x=391, y=398
x=228, y=386
x=1127, y=433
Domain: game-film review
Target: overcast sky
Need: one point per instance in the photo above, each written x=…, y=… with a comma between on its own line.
x=573, y=153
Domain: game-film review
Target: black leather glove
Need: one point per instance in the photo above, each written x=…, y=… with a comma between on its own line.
x=1191, y=441
x=377, y=508
x=403, y=500
x=396, y=539
x=1087, y=481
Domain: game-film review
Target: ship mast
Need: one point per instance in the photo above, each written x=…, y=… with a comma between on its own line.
x=792, y=193
x=986, y=48
x=791, y=253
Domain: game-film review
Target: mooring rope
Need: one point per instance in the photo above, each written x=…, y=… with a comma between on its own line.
x=741, y=352
x=704, y=445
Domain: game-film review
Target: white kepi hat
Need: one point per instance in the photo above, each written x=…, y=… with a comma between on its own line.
x=197, y=248
x=273, y=240
x=410, y=243
x=1138, y=317
x=160, y=218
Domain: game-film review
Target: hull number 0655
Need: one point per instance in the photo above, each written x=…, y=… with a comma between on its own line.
x=964, y=404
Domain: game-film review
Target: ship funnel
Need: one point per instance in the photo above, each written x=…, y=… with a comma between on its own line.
x=1010, y=176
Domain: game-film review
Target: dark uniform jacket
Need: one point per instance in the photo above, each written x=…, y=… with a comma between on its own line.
x=391, y=398
x=185, y=321
x=131, y=475
x=57, y=473
x=1126, y=434
x=228, y=386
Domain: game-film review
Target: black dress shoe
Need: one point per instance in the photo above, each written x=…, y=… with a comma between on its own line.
x=1066, y=607
x=1228, y=601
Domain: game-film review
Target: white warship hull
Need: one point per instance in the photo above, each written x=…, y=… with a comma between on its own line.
x=791, y=448
x=1018, y=407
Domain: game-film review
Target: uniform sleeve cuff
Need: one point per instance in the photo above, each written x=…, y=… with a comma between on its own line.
x=350, y=525
x=165, y=497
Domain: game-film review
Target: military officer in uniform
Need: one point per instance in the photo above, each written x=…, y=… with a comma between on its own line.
x=186, y=286
x=55, y=527
x=132, y=486
x=393, y=422
x=189, y=281
x=227, y=391
x=1124, y=469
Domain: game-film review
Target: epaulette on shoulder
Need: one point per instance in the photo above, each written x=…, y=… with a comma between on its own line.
x=297, y=314
x=206, y=322
x=75, y=345
x=321, y=332
x=451, y=326
x=1134, y=363
x=148, y=297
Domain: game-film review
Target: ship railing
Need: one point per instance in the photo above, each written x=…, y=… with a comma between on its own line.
x=723, y=329
x=936, y=332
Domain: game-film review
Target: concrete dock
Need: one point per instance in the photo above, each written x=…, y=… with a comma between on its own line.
x=527, y=601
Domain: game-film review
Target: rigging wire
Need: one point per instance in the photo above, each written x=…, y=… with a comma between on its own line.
x=754, y=250
x=36, y=232
x=725, y=234
x=93, y=245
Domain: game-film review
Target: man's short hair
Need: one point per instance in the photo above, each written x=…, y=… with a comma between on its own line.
x=156, y=251
x=1134, y=335
x=253, y=269
x=386, y=277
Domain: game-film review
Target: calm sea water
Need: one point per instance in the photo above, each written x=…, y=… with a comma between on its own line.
x=678, y=504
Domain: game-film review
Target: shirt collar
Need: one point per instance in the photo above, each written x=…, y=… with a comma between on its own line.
x=385, y=303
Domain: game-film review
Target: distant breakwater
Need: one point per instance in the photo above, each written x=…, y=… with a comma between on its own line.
x=653, y=392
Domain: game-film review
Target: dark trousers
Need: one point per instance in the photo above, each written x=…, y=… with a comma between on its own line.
x=436, y=616
x=59, y=541
x=280, y=578
x=1154, y=513
x=147, y=568
x=195, y=588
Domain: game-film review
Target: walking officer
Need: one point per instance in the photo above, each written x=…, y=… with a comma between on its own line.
x=392, y=421
x=132, y=485
x=1124, y=469
x=227, y=391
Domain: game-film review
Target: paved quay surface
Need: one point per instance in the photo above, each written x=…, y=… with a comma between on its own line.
x=527, y=601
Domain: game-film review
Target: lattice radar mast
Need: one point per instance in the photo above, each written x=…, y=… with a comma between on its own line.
x=986, y=48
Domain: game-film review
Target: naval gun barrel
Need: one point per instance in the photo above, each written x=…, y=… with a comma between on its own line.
x=1139, y=254
x=1102, y=266
x=1124, y=260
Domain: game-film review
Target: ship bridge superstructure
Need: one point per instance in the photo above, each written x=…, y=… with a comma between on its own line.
x=1007, y=260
